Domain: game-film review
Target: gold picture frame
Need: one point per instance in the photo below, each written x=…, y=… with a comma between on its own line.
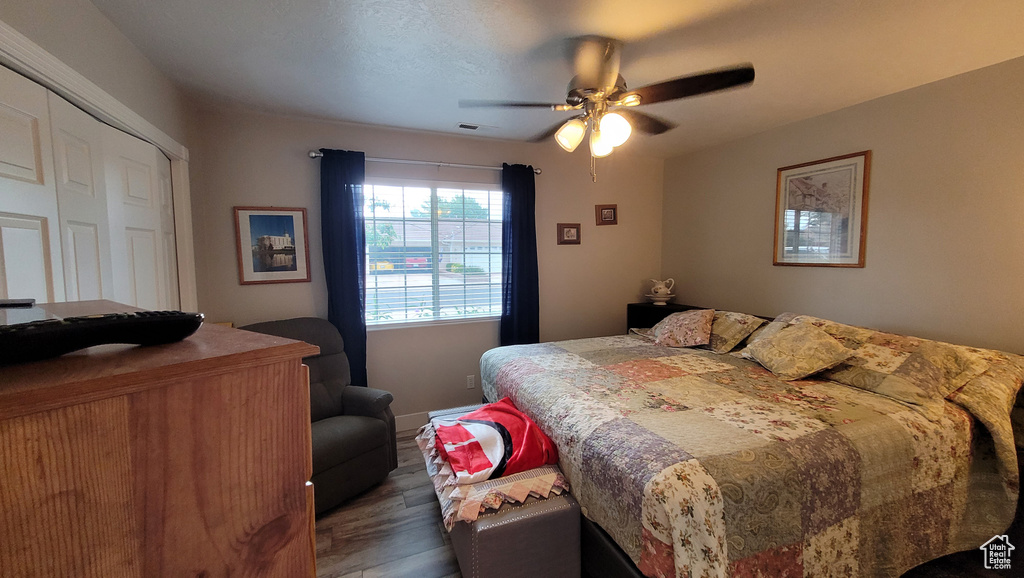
x=821, y=212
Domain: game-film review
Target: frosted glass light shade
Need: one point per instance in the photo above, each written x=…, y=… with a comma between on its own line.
x=615, y=128
x=600, y=146
x=570, y=135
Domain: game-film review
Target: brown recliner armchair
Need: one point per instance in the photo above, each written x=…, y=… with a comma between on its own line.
x=353, y=427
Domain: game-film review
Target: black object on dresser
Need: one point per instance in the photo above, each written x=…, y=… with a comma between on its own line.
x=643, y=315
x=46, y=338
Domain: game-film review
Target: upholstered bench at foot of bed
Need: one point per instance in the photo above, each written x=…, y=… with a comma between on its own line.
x=534, y=539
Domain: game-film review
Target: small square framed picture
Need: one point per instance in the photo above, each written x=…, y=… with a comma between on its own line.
x=568, y=233
x=607, y=214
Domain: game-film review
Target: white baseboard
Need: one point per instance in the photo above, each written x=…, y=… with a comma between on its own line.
x=410, y=421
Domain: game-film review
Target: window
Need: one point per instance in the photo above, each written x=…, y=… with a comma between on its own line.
x=433, y=252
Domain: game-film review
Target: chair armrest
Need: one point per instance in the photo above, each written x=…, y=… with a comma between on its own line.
x=365, y=401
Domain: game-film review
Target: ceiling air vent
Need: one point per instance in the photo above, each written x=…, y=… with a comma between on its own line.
x=467, y=126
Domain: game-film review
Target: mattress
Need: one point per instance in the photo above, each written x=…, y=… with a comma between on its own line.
x=702, y=464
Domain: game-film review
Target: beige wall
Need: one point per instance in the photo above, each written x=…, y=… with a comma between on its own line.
x=246, y=158
x=945, y=242
x=77, y=33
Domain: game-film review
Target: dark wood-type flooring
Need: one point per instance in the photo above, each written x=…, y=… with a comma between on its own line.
x=394, y=530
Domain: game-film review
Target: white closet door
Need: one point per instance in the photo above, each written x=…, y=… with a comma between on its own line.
x=170, y=247
x=30, y=250
x=142, y=243
x=82, y=202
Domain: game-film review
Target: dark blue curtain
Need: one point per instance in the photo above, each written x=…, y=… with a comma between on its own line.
x=520, y=293
x=344, y=244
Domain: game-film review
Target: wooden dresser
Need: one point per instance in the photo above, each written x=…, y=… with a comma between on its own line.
x=183, y=460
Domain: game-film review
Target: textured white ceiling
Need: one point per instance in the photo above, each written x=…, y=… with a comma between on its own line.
x=406, y=63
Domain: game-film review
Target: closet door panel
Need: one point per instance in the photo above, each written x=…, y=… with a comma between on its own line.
x=83, y=262
x=29, y=223
x=20, y=149
x=142, y=235
x=82, y=202
x=143, y=275
x=24, y=266
x=170, y=260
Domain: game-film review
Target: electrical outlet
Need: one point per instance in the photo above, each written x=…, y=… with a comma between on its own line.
x=470, y=381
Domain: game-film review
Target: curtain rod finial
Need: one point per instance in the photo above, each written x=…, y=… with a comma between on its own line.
x=315, y=154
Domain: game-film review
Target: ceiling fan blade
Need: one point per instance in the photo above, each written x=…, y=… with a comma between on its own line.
x=644, y=122
x=550, y=132
x=693, y=85
x=510, y=104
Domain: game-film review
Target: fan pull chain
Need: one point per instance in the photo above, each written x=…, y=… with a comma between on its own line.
x=593, y=168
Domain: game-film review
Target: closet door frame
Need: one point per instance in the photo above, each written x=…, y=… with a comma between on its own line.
x=20, y=54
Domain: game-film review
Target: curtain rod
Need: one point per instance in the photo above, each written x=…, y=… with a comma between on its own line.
x=318, y=154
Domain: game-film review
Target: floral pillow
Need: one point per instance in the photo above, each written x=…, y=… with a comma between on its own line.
x=769, y=329
x=730, y=328
x=645, y=332
x=685, y=329
x=916, y=371
x=797, y=351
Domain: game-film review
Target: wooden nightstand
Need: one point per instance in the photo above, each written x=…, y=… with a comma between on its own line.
x=649, y=314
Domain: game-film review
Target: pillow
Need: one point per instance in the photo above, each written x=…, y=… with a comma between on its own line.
x=645, y=332
x=916, y=371
x=730, y=328
x=685, y=329
x=771, y=328
x=797, y=351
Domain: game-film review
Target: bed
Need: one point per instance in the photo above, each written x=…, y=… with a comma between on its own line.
x=705, y=464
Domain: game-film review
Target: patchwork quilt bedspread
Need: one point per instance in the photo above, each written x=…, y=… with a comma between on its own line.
x=704, y=464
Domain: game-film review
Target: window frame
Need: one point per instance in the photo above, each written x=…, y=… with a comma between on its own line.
x=435, y=249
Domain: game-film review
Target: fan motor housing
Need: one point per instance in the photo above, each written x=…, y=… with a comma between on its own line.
x=577, y=94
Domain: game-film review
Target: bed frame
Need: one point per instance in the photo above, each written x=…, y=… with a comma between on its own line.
x=601, y=556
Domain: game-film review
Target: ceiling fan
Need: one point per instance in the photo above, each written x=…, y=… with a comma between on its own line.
x=599, y=92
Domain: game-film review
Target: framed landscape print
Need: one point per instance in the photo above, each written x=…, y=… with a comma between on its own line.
x=821, y=212
x=607, y=214
x=568, y=233
x=272, y=243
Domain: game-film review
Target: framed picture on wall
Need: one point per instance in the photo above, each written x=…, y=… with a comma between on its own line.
x=821, y=212
x=607, y=214
x=272, y=243
x=568, y=233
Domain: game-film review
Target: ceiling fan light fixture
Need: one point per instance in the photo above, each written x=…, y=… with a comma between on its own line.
x=600, y=146
x=630, y=100
x=615, y=128
x=571, y=134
